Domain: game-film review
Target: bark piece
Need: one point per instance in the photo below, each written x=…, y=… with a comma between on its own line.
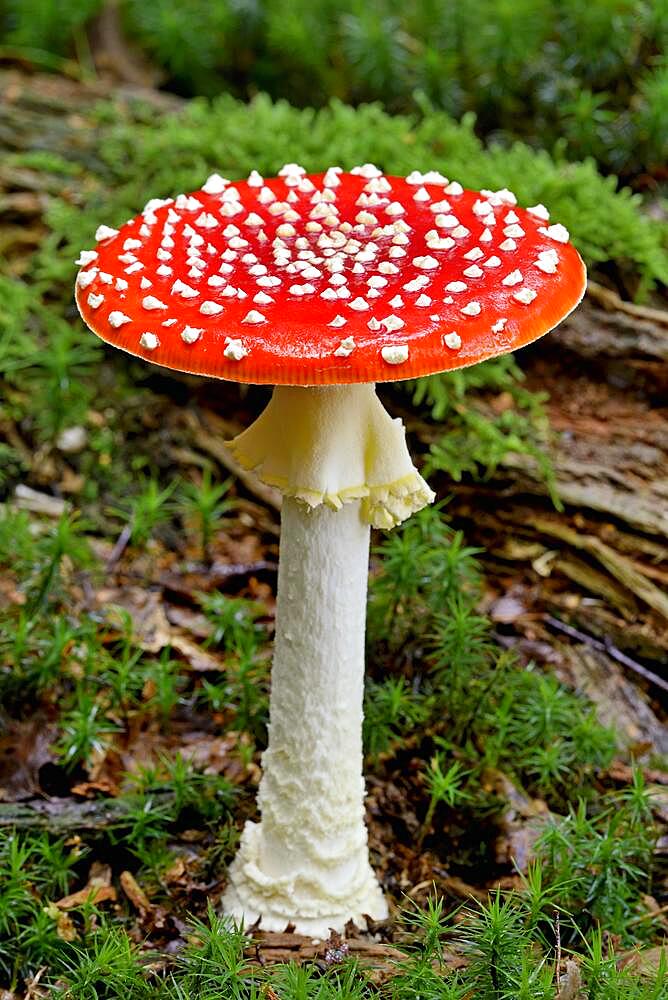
x=619, y=703
x=617, y=565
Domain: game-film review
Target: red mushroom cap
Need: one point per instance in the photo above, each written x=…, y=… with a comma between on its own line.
x=329, y=278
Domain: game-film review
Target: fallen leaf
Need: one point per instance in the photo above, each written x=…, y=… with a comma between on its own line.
x=200, y=660
x=24, y=749
x=192, y=621
x=150, y=629
x=175, y=872
x=211, y=754
x=94, y=894
x=100, y=874
x=520, y=824
x=91, y=789
x=135, y=893
x=98, y=889
x=647, y=961
x=65, y=928
x=33, y=987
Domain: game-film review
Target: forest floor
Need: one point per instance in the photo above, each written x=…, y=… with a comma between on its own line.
x=143, y=766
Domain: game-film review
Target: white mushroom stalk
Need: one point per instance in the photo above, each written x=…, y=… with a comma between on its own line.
x=342, y=463
x=307, y=862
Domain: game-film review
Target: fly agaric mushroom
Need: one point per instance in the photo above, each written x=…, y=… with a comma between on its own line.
x=323, y=285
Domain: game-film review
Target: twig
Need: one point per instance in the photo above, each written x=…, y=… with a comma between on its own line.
x=119, y=547
x=217, y=448
x=557, y=930
x=605, y=646
x=38, y=503
x=648, y=916
x=612, y=302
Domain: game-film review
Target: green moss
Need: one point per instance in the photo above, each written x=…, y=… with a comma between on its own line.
x=506, y=947
x=436, y=668
x=594, y=76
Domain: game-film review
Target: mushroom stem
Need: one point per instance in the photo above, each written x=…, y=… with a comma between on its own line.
x=342, y=464
x=307, y=861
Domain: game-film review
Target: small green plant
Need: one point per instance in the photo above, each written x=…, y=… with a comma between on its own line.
x=206, y=504
x=209, y=795
x=443, y=787
x=509, y=944
x=33, y=870
x=164, y=680
x=121, y=674
x=422, y=566
x=108, y=964
x=602, y=975
x=163, y=796
x=17, y=540
x=248, y=696
x=499, y=950
x=549, y=737
x=235, y=623
x=244, y=690
x=32, y=654
x=214, y=959
x=463, y=661
x=148, y=510
x=59, y=377
x=609, y=858
x=11, y=463
x=62, y=376
x=478, y=439
x=391, y=710
x=85, y=731
x=57, y=552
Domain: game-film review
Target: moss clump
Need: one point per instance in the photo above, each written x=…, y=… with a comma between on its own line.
x=175, y=153
x=596, y=76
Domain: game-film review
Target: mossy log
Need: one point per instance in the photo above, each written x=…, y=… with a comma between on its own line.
x=62, y=816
